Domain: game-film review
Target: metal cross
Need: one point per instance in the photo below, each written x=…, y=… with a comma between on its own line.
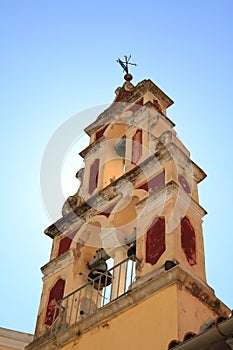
x=125, y=64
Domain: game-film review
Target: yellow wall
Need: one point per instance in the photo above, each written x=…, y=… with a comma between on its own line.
x=191, y=313
x=145, y=326
x=152, y=324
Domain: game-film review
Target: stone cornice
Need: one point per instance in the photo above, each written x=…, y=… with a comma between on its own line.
x=73, y=219
x=93, y=146
x=180, y=157
x=58, y=263
x=148, y=85
x=146, y=111
x=148, y=166
x=14, y=339
x=171, y=191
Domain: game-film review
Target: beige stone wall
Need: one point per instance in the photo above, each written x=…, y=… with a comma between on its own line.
x=14, y=340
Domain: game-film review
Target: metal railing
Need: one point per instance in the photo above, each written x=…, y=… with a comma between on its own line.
x=95, y=294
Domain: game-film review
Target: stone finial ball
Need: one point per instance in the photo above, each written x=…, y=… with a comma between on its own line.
x=128, y=77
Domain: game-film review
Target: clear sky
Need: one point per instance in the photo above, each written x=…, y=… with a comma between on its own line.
x=59, y=58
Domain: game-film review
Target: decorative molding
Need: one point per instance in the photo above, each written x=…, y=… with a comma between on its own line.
x=14, y=339
x=170, y=191
x=58, y=263
x=116, y=108
x=149, y=166
x=92, y=148
x=72, y=219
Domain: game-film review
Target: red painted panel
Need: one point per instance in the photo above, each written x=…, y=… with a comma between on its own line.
x=65, y=242
x=118, y=98
x=137, y=147
x=136, y=106
x=184, y=183
x=56, y=293
x=157, y=105
x=188, y=241
x=144, y=187
x=94, y=174
x=100, y=132
x=64, y=245
x=122, y=94
x=154, y=184
x=155, y=241
x=107, y=211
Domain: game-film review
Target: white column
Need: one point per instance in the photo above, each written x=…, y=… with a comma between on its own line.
x=118, y=253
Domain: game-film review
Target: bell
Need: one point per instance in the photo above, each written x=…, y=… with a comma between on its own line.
x=120, y=147
x=131, y=252
x=100, y=265
x=100, y=279
x=100, y=275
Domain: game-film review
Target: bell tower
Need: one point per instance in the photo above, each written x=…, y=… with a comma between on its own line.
x=127, y=266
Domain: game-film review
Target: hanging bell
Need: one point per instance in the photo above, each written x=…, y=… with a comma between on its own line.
x=100, y=265
x=100, y=275
x=120, y=147
x=131, y=252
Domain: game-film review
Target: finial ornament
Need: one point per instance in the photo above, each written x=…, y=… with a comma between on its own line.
x=125, y=66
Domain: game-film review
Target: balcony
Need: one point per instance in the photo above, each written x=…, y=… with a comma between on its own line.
x=94, y=295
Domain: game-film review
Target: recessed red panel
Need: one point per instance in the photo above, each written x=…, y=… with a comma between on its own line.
x=184, y=183
x=137, y=147
x=56, y=293
x=154, y=184
x=100, y=132
x=155, y=241
x=135, y=107
x=94, y=174
x=107, y=211
x=64, y=245
x=65, y=242
x=158, y=105
x=122, y=94
x=188, y=241
x=118, y=98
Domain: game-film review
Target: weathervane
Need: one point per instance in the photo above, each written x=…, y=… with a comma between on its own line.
x=125, y=67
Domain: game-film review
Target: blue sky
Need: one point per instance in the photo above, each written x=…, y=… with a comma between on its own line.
x=59, y=58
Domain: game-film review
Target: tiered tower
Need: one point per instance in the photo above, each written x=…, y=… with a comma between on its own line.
x=137, y=208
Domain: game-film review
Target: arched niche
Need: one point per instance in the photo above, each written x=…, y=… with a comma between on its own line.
x=115, y=131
